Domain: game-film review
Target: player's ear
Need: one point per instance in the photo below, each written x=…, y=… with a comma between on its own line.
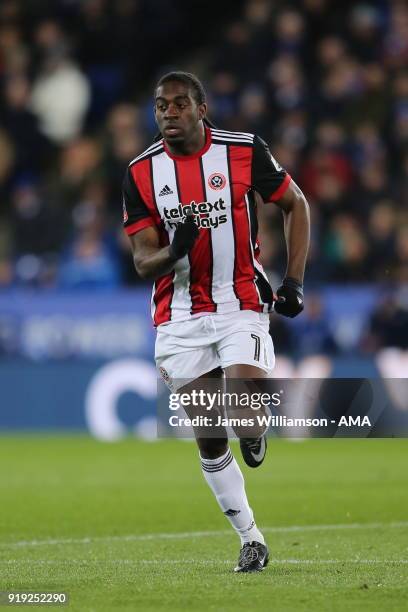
x=202, y=110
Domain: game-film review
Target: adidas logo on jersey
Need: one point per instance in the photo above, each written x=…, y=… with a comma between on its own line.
x=165, y=191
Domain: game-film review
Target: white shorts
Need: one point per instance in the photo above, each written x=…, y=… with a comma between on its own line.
x=185, y=351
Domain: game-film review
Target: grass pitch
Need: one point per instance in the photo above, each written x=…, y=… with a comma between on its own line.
x=133, y=526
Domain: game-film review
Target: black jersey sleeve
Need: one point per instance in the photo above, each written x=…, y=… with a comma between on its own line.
x=269, y=179
x=135, y=212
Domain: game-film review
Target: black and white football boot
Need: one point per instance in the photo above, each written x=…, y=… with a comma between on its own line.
x=253, y=557
x=253, y=450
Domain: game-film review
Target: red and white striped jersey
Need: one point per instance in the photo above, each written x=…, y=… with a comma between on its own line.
x=222, y=273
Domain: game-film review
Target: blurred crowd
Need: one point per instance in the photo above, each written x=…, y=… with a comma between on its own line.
x=325, y=83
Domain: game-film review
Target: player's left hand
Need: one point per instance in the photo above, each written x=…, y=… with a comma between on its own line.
x=289, y=301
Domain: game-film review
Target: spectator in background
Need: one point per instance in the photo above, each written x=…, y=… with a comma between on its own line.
x=396, y=38
x=401, y=248
x=7, y=160
x=289, y=32
x=252, y=109
x=347, y=249
x=61, y=93
x=80, y=164
x=36, y=234
x=287, y=85
x=21, y=124
x=89, y=264
x=367, y=147
x=388, y=325
x=90, y=260
x=224, y=98
x=14, y=52
x=123, y=138
x=313, y=335
x=282, y=335
x=371, y=187
x=381, y=231
x=365, y=22
x=236, y=44
x=399, y=118
x=293, y=131
x=373, y=103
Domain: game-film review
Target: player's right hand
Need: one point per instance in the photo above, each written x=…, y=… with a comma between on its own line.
x=184, y=237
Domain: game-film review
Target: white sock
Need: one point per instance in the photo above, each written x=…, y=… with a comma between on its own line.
x=226, y=481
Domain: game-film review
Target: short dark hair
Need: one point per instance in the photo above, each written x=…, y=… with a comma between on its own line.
x=188, y=79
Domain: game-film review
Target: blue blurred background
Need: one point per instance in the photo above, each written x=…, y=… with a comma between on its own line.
x=324, y=83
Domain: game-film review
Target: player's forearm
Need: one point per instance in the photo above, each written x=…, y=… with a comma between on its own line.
x=154, y=263
x=297, y=235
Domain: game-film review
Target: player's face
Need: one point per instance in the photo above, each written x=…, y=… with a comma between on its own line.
x=177, y=113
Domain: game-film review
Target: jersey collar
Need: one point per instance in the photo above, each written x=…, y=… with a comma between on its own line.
x=199, y=153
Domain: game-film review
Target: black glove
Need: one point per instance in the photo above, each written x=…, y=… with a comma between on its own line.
x=290, y=298
x=184, y=237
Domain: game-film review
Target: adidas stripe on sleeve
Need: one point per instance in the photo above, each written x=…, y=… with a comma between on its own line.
x=269, y=179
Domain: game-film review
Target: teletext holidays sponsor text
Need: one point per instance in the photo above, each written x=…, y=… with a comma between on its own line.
x=201, y=212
